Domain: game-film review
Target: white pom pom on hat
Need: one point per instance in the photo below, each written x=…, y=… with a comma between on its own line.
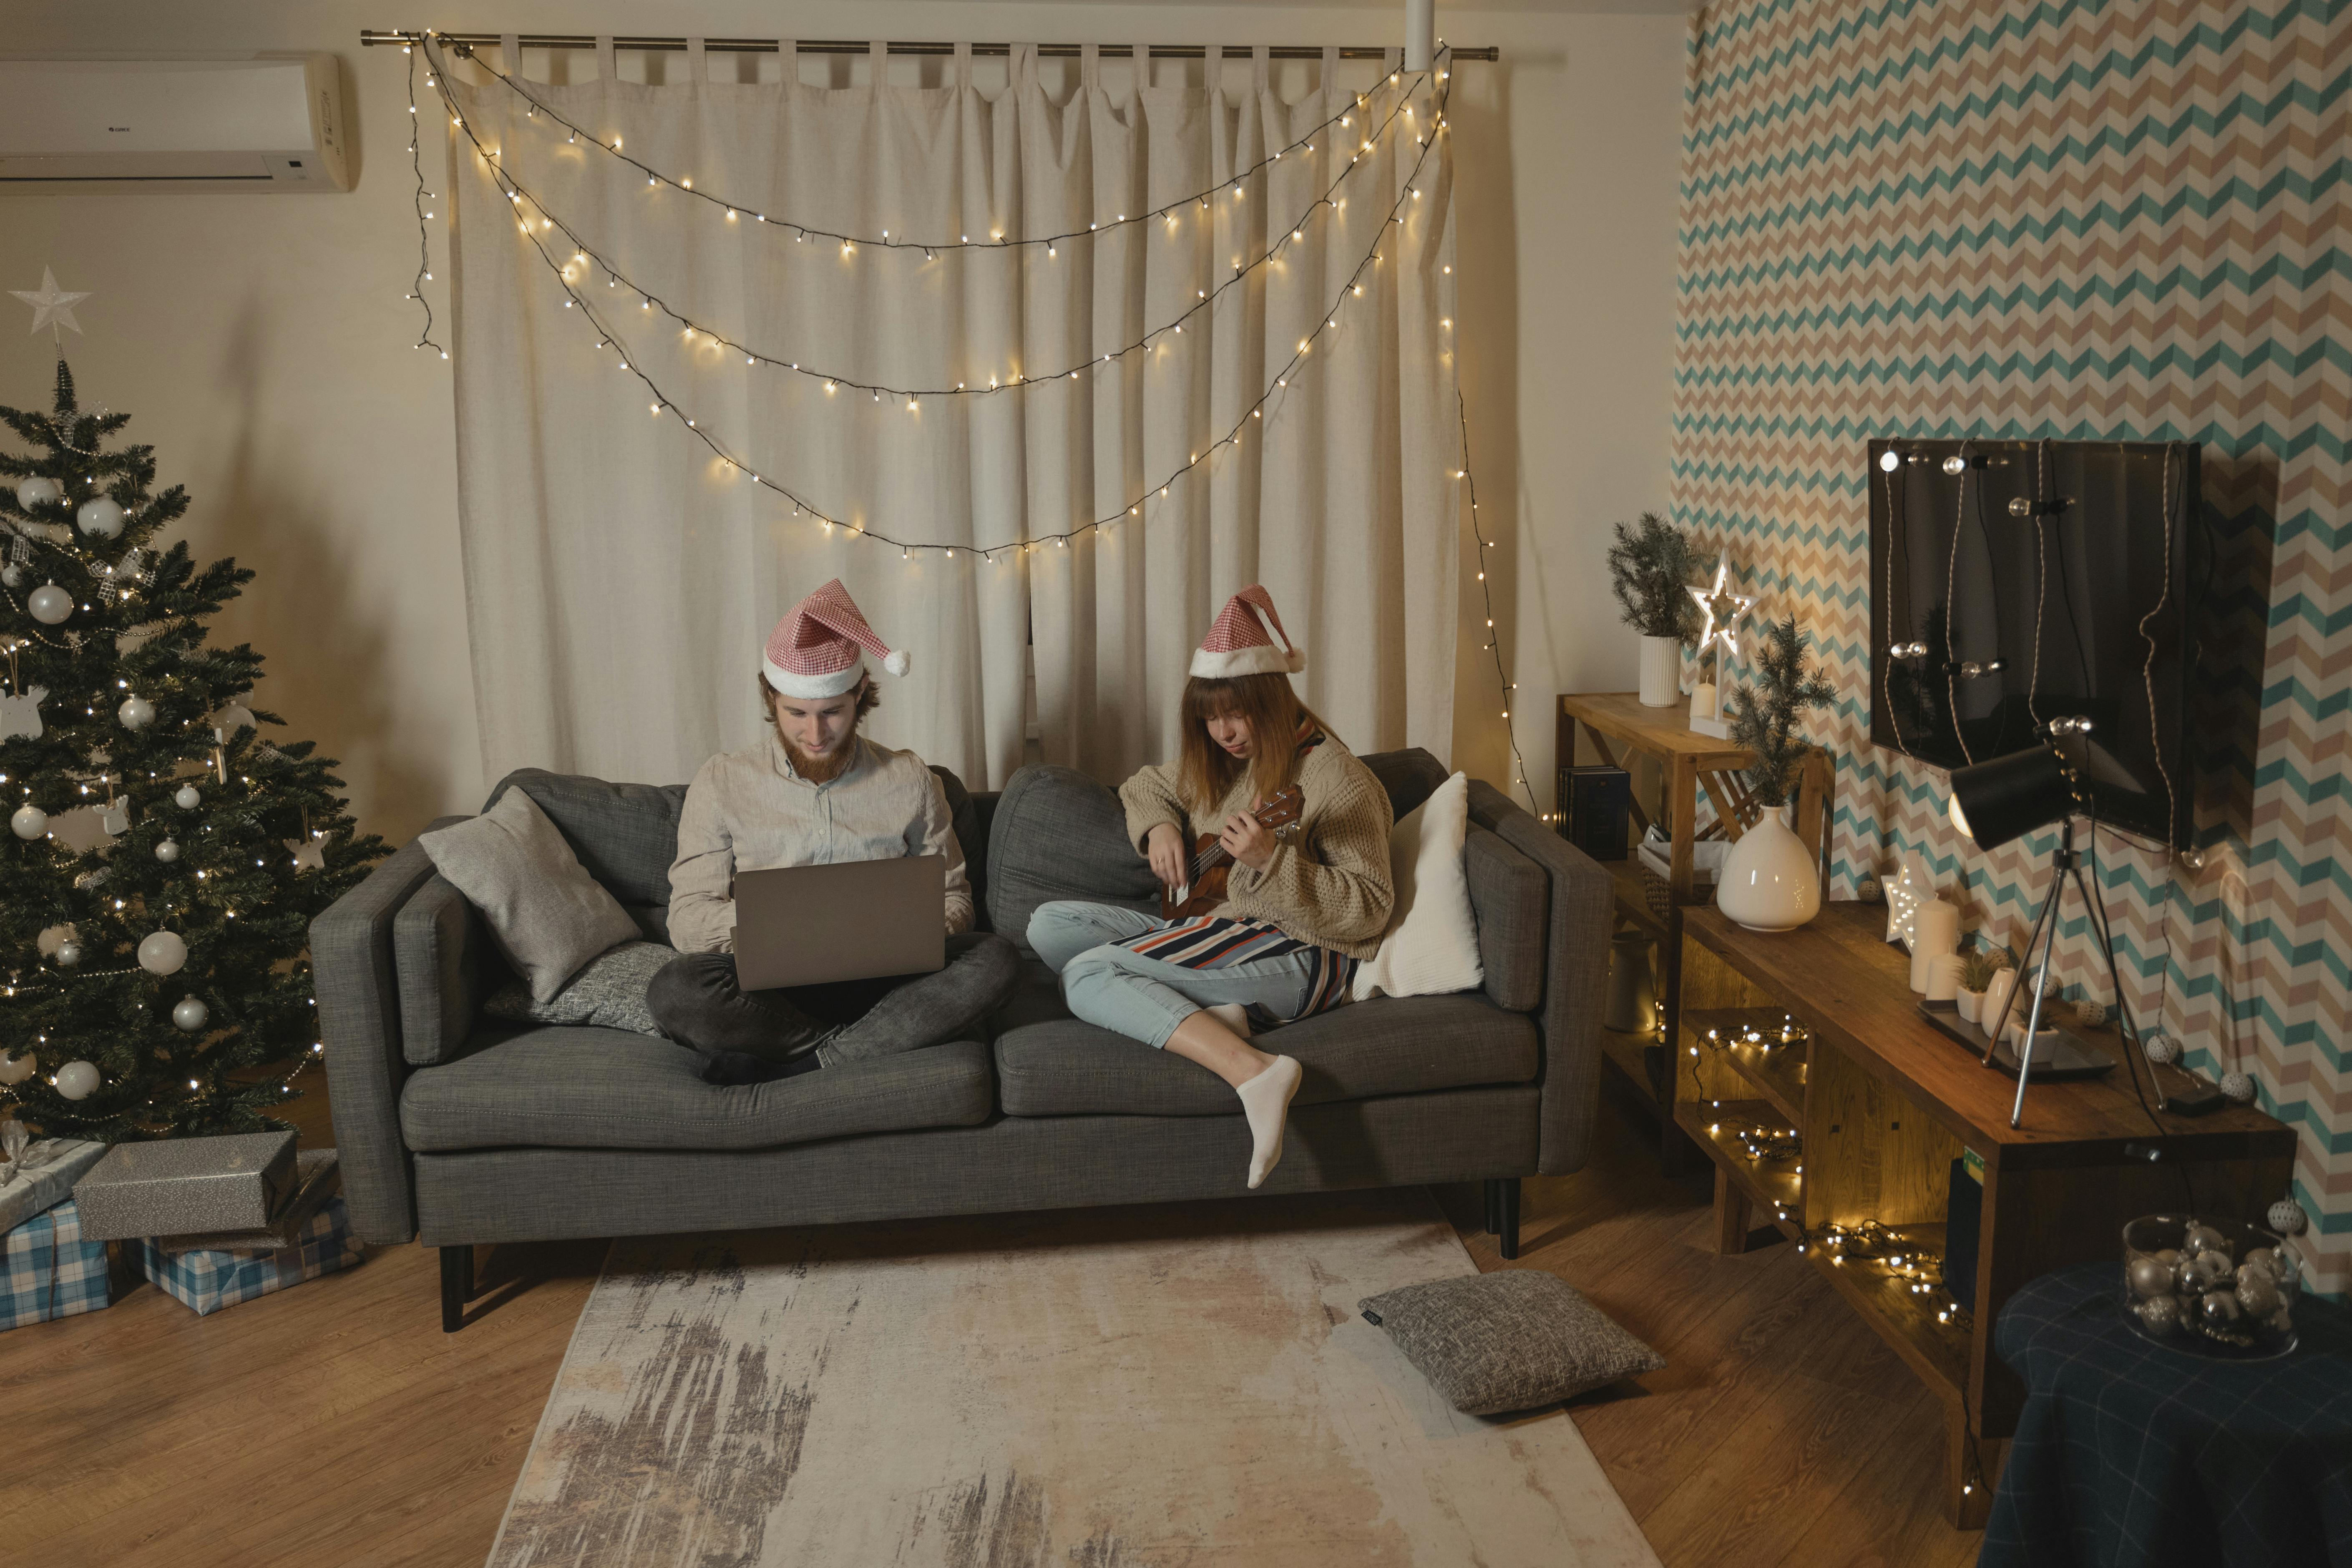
x=1247, y=638
x=818, y=649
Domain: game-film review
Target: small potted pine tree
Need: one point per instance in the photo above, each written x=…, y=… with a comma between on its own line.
x=1650, y=571
x=1770, y=880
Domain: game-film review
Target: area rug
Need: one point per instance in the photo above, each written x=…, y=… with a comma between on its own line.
x=1163, y=1386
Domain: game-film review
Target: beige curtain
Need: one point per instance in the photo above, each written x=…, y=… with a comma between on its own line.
x=621, y=574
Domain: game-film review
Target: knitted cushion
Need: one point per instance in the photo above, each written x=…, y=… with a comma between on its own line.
x=546, y=914
x=1511, y=1341
x=610, y=993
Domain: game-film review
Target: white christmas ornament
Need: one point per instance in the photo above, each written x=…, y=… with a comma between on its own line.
x=75, y=1080
x=190, y=1014
x=100, y=517
x=2288, y=1218
x=13, y=575
x=38, y=490
x=17, y=1070
x=68, y=953
x=52, y=306
x=233, y=717
x=167, y=850
x=310, y=855
x=49, y=604
x=115, y=816
x=162, y=952
x=30, y=822
x=2161, y=1049
x=136, y=712
x=1914, y=885
x=20, y=715
x=186, y=796
x=2239, y=1086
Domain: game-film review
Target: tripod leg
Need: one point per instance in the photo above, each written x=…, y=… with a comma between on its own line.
x=1993, y=1026
x=2041, y=990
x=2132, y=1043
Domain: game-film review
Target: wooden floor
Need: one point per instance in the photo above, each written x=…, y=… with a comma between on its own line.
x=336, y=1426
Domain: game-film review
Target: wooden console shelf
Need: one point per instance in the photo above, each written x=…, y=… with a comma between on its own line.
x=1884, y=1103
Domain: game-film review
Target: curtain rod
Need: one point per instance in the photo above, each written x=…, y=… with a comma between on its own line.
x=370, y=37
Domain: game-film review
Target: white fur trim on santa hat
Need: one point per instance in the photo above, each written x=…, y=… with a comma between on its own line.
x=818, y=649
x=1258, y=660
x=816, y=687
x=1246, y=645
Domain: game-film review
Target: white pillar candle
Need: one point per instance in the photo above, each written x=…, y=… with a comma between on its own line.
x=1935, y=931
x=1944, y=977
x=1703, y=700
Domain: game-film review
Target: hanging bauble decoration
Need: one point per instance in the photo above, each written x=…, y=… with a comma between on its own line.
x=101, y=518
x=14, y=1070
x=136, y=712
x=12, y=576
x=162, y=952
x=49, y=604
x=20, y=713
x=2239, y=1087
x=38, y=490
x=186, y=798
x=75, y=1080
x=190, y=1014
x=233, y=716
x=2161, y=1049
x=167, y=850
x=2288, y=1218
x=30, y=822
x=68, y=953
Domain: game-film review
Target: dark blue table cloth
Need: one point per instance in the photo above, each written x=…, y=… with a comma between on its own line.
x=2131, y=1455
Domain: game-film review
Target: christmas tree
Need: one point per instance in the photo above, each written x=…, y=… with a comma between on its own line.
x=163, y=861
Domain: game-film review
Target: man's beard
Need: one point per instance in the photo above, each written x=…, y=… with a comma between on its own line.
x=823, y=769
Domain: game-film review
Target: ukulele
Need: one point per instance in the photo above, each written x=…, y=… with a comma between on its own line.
x=1211, y=865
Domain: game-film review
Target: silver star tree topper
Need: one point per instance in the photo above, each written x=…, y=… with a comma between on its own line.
x=52, y=306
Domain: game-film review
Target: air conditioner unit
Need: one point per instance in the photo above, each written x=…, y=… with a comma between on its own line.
x=251, y=123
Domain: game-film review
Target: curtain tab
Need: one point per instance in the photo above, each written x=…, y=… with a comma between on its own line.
x=511, y=54
x=1331, y=82
x=1213, y=68
x=878, y=51
x=1022, y=68
x=698, y=64
x=1392, y=60
x=1260, y=77
x=605, y=69
x=787, y=50
x=963, y=68
x=1090, y=66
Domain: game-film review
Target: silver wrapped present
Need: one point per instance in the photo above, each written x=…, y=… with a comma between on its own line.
x=317, y=1179
x=37, y=1174
x=183, y=1186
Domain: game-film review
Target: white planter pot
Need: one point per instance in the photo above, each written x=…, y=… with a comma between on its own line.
x=1968, y=1002
x=1662, y=672
x=1770, y=880
x=1996, y=997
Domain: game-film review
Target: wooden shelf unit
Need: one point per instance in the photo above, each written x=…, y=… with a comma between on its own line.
x=1616, y=728
x=1885, y=1102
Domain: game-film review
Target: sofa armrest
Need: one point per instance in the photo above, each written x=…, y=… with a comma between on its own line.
x=359, y=1023
x=442, y=970
x=1576, y=968
x=1510, y=896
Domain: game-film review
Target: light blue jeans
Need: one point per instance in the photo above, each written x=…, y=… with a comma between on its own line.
x=1146, y=998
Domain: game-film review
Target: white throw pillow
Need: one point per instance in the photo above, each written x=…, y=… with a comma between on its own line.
x=1432, y=945
x=546, y=913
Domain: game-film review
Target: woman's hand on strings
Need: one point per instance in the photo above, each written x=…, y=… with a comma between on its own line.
x=1247, y=841
x=1164, y=847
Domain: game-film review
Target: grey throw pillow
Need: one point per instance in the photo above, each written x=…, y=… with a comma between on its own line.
x=548, y=916
x=1511, y=1341
x=610, y=993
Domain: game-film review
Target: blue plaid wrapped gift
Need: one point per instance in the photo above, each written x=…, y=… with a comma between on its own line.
x=208, y=1281
x=53, y=1271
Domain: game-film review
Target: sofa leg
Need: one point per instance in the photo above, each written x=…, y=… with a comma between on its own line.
x=1494, y=1219
x=1507, y=1231
x=456, y=1286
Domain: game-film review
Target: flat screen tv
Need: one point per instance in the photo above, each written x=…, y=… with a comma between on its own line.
x=2013, y=583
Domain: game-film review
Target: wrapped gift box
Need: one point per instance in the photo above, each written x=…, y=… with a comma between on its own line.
x=54, y=1270
x=185, y=1186
x=40, y=1173
x=207, y=1282
x=318, y=1179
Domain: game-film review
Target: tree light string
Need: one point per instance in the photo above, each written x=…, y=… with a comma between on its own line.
x=962, y=242
x=1407, y=191
x=1486, y=596
x=1291, y=232
x=424, y=247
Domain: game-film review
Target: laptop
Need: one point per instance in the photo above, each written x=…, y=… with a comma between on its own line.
x=859, y=920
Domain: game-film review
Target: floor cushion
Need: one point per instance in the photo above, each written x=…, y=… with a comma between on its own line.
x=576, y=1088
x=1390, y=1045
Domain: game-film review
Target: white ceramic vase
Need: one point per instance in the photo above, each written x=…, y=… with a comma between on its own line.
x=1968, y=1002
x=1770, y=881
x=1662, y=672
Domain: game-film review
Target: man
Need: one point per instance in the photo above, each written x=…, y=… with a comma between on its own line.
x=814, y=791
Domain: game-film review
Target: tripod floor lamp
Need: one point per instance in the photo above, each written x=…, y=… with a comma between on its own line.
x=1996, y=801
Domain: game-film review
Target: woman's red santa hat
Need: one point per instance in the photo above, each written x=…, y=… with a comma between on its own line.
x=817, y=651
x=1247, y=640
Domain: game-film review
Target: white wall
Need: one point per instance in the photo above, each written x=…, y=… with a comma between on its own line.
x=262, y=343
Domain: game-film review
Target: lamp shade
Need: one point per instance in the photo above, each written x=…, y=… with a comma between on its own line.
x=1994, y=802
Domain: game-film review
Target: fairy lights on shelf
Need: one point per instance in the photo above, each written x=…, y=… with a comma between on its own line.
x=660, y=403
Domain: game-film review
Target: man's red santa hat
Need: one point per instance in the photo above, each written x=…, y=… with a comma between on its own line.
x=1247, y=640
x=817, y=651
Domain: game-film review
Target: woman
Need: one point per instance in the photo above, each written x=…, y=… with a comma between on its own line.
x=1303, y=906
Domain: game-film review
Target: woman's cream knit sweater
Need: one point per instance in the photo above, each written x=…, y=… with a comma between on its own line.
x=1328, y=882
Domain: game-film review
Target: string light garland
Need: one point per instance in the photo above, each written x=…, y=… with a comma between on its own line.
x=424, y=247
x=607, y=336
x=996, y=241
x=1206, y=300
x=1486, y=597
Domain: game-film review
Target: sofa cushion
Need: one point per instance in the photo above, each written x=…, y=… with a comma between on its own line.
x=1390, y=1045
x=547, y=915
x=571, y=1088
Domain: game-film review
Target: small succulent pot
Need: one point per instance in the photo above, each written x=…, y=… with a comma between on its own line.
x=1970, y=1004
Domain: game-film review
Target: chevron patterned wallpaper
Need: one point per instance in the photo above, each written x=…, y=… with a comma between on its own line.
x=2086, y=221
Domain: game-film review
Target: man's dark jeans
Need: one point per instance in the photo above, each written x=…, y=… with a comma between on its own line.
x=697, y=1003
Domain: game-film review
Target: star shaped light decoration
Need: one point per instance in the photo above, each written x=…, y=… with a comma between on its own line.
x=1905, y=894
x=52, y=306
x=1724, y=609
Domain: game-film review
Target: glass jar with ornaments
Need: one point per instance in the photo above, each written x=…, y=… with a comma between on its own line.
x=2214, y=1288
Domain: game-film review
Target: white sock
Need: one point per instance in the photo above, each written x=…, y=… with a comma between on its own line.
x=1266, y=1102
x=1232, y=1016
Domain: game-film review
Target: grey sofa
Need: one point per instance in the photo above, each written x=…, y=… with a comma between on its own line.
x=463, y=1131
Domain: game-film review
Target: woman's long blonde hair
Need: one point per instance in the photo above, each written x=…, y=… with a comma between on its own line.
x=1206, y=771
